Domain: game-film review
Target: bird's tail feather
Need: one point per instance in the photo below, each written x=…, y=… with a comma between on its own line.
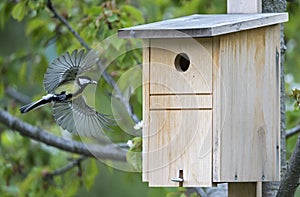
x=33, y=105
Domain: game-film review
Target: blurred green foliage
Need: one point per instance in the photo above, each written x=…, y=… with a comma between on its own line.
x=30, y=38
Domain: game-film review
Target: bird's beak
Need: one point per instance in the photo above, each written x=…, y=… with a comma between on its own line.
x=94, y=82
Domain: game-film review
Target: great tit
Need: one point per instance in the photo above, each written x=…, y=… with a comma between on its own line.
x=64, y=82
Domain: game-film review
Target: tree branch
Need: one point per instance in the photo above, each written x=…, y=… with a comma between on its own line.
x=65, y=22
x=66, y=168
x=109, y=151
x=24, y=99
x=106, y=76
x=19, y=97
x=290, y=181
x=292, y=131
x=269, y=188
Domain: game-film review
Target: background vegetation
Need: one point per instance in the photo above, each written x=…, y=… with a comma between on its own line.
x=30, y=37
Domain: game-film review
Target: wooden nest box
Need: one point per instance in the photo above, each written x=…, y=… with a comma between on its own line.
x=211, y=90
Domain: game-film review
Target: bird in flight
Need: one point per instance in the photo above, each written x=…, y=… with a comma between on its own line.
x=64, y=81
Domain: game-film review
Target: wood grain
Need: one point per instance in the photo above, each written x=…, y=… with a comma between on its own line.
x=244, y=189
x=238, y=6
x=246, y=126
x=180, y=102
x=199, y=25
x=165, y=79
x=146, y=107
x=235, y=78
x=180, y=140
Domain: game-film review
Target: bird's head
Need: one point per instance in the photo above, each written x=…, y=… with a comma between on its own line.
x=83, y=81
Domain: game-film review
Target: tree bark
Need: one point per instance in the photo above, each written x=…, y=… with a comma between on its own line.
x=290, y=181
x=109, y=151
x=271, y=188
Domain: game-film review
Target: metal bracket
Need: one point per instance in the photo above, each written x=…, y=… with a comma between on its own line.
x=179, y=179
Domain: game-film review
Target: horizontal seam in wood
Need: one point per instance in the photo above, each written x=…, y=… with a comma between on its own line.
x=184, y=94
x=174, y=109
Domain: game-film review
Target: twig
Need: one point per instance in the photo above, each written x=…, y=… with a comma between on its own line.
x=66, y=168
x=106, y=76
x=200, y=191
x=289, y=183
x=65, y=22
x=24, y=99
x=108, y=151
x=292, y=131
x=19, y=97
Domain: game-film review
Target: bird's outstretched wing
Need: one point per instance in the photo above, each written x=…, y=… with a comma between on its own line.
x=77, y=117
x=67, y=67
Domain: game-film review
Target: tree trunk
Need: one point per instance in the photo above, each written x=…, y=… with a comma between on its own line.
x=271, y=188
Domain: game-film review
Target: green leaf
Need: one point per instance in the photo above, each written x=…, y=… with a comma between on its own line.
x=7, y=171
x=107, y=12
x=31, y=180
x=139, y=94
x=35, y=25
x=137, y=141
x=112, y=18
x=296, y=96
x=173, y=194
x=90, y=174
x=95, y=10
x=194, y=195
x=134, y=155
x=11, y=190
x=135, y=159
x=134, y=13
x=2, y=89
x=22, y=72
x=117, y=43
x=71, y=186
x=5, y=11
x=19, y=11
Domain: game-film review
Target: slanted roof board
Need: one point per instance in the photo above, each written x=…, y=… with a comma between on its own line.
x=200, y=25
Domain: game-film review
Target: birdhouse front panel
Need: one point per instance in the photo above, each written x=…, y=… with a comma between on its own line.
x=179, y=131
x=181, y=66
x=211, y=91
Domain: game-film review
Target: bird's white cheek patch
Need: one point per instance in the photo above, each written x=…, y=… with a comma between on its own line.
x=83, y=81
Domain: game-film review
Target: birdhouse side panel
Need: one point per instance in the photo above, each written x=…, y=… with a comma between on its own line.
x=246, y=106
x=146, y=107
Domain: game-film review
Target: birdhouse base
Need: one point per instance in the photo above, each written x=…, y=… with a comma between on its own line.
x=211, y=90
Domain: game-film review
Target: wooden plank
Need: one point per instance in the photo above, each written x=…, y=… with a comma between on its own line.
x=244, y=189
x=217, y=107
x=180, y=140
x=244, y=6
x=180, y=102
x=259, y=189
x=166, y=79
x=146, y=107
x=203, y=25
x=246, y=128
x=238, y=6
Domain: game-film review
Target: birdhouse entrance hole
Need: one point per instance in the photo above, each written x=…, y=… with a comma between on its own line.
x=198, y=71
x=182, y=62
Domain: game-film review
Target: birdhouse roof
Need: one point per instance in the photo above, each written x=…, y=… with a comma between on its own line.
x=200, y=25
